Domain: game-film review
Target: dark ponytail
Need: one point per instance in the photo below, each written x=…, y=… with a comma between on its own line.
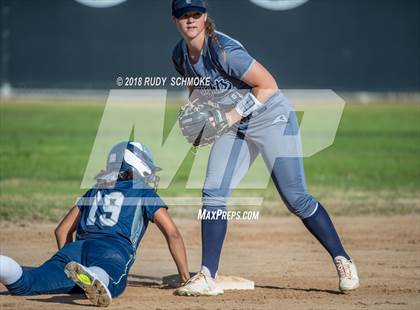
x=211, y=32
x=122, y=176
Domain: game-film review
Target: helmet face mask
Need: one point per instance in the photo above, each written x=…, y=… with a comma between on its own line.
x=132, y=157
x=153, y=180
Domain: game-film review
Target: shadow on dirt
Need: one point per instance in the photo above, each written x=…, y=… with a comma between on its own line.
x=309, y=290
x=167, y=282
x=62, y=299
x=145, y=281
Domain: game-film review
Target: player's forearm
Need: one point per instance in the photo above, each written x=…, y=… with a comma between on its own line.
x=177, y=249
x=64, y=231
x=62, y=238
x=251, y=102
x=264, y=92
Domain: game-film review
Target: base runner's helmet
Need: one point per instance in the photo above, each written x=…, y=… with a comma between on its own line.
x=135, y=157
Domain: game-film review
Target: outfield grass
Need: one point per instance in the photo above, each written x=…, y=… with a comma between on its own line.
x=372, y=167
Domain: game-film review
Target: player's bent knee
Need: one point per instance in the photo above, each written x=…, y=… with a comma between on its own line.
x=21, y=287
x=302, y=205
x=215, y=197
x=214, y=201
x=10, y=270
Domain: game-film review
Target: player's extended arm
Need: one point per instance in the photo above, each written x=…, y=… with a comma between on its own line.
x=263, y=87
x=174, y=240
x=64, y=231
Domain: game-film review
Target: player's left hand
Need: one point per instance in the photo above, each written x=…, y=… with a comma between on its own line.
x=202, y=123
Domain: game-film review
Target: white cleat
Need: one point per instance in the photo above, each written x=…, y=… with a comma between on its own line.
x=347, y=273
x=95, y=290
x=200, y=285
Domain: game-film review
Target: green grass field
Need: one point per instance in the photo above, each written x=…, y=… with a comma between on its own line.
x=372, y=167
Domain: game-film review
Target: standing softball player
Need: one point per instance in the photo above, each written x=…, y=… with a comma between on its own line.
x=111, y=219
x=248, y=116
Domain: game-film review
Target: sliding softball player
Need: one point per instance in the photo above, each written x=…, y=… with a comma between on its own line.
x=245, y=115
x=109, y=220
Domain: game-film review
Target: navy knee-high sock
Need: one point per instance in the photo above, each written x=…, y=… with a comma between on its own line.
x=213, y=233
x=321, y=226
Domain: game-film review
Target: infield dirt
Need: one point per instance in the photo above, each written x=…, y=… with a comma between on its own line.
x=289, y=267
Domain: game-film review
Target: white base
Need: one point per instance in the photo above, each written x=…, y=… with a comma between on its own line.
x=235, y=283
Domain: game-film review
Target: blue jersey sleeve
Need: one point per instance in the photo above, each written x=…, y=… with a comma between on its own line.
x=152, y=203
x=85, y=200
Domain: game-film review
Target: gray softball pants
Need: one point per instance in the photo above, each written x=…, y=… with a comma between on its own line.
x=273, y=132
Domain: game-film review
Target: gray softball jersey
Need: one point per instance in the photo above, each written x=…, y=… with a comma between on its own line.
x=271, y=131
x=225, y=67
